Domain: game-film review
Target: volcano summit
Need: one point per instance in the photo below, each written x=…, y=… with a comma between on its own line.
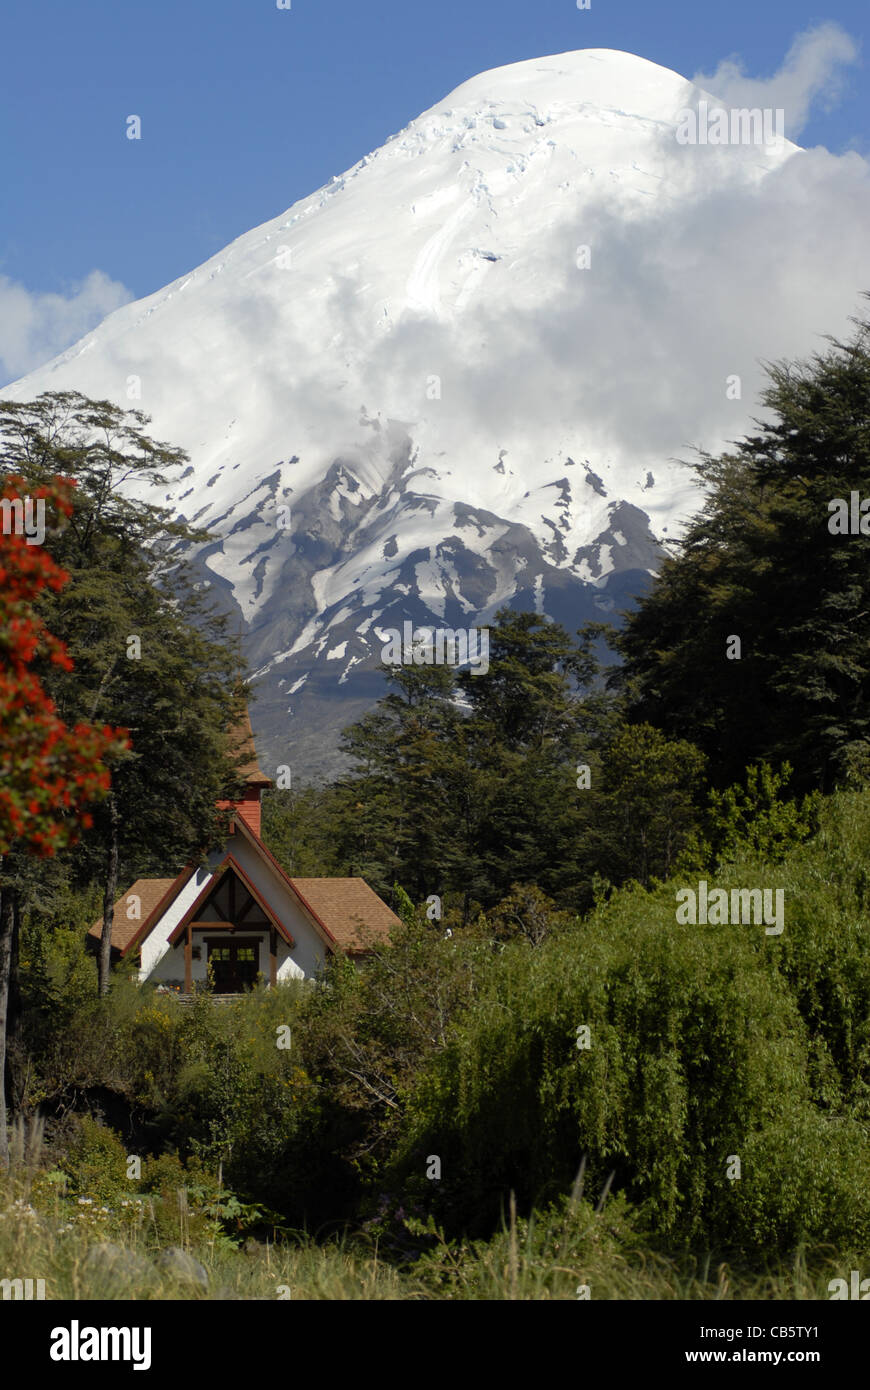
x=451, y=379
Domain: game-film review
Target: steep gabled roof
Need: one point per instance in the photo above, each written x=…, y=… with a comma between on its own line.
x=345, y=912
x=228, y=865
x=348, y=912
x=155, y=895
x=354, y=915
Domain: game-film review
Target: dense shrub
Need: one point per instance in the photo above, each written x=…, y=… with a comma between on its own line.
x=706, y=1042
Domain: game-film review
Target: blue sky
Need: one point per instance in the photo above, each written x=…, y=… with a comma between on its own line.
x=246, y=107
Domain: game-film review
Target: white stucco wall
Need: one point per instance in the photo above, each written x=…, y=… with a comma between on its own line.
x=170, y=968
x=162, y=964
x=156, y=947
x=310, y=951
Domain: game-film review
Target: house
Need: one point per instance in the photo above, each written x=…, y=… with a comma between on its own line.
x=240, y=912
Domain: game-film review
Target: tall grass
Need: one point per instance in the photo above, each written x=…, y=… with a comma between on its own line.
x=555, y=1255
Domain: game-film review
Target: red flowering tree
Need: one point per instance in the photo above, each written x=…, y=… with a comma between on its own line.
x=49, y=773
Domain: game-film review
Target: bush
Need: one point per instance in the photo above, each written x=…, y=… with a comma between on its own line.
x=706, y=1042
x=96, y=1163
x=757, y=819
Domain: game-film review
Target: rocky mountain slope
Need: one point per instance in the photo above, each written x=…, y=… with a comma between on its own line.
x=402, y=399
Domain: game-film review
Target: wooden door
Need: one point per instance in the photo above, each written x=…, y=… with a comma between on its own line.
x=235, y=965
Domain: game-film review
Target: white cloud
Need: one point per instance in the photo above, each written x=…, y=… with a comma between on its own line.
x=742, y=260
x=738, y=259
x=36, y=326
x=629, y=360
x=811, y=71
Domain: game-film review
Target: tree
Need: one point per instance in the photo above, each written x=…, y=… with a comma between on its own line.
x=527, y=913
x=149, y=652
x=49, y=773
x=403, y=813
x=758, y=818
x=649, y=804
x=536, y=721
x=299, y=828
x=764, y=564
x=468, y=783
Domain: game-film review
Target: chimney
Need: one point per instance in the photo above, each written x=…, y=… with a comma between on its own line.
x=250, y=772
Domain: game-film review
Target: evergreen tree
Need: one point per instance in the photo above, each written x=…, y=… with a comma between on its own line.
x=298, y=825
x=404, y=813
x=529, y=731
x=764, y=563
x=649, y=805
x=148, y=653
x=49, y=773
x=468, y=783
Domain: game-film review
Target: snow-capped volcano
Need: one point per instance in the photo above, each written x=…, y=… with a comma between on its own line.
x=416, y=361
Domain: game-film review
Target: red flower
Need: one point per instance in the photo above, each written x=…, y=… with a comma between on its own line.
x=48, y=771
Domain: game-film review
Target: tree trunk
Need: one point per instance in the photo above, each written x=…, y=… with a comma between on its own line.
x=14, y=1013
x=109, y=897
x=13, y=1006
x=7, y=929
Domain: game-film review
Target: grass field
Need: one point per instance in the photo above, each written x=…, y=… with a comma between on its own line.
x=97, y=1253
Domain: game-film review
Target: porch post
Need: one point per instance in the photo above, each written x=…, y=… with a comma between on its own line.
x=273, y=957
x=188, y=961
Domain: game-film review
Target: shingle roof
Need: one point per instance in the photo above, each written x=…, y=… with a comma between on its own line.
x=151, y=892
x=242, y=746
x=350, y=910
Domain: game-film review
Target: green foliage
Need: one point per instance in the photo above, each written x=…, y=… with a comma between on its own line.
x=546, y=1256
x=854, y=763
x=803, y=1177
x=526, y=913
x=96, y=1162
x=705, y=1042
x=404, y=907
x=759, y=562
x=170, y=1202
x=177, y=693
x=298, y=827
x=649, y=804
x=554, y=1253
x=465, y=784
x=466, y=1038
x=405, y=814
x=756, y=819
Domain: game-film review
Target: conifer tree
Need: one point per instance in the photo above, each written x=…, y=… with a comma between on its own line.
x=148, y=653
x=754, y=642
x=528, y=731
x=404, y=813
x=467, y=783
x=49, y=773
